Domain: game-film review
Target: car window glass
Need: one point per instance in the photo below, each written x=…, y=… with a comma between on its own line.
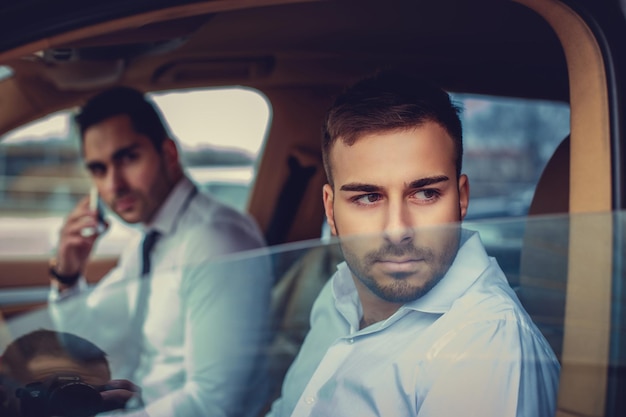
x=5, y=72
x=507, y=143
x=303, y=268
x=220, y=133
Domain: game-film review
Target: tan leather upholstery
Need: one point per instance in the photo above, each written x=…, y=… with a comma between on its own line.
x=552, y=192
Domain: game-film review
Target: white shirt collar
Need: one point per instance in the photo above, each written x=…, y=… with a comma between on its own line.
x=470, y=262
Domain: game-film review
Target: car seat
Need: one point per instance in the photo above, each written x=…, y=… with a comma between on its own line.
x=543, y=263
x=292, y=300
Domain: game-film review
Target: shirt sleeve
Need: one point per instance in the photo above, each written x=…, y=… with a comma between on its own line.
x=493, y=368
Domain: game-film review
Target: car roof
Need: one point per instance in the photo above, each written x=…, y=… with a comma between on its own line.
x=68, y=51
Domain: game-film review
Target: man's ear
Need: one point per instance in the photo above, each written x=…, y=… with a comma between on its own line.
x=170, y=153
x=463, y=195
x=328, y=197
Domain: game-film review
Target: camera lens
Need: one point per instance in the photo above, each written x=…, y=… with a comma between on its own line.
x=75, y=400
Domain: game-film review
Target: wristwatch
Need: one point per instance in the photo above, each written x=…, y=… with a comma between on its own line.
x=63, y=279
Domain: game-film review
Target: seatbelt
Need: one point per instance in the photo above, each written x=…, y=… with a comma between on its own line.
x=289, y=200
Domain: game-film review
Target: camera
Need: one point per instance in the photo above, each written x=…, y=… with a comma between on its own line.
x=60, y=396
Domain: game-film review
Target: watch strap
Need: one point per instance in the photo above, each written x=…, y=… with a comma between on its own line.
x=63, y=279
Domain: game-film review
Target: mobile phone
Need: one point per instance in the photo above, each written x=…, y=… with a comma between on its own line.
x=95, y=204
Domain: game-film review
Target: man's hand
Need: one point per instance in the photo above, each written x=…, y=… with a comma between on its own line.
x=120, y=392
x=74, y=245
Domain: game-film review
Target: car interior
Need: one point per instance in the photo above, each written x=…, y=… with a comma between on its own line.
x=299, y=54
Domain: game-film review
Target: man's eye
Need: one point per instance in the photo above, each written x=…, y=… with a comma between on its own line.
x=129, y=157
x=426, y=195
x=367, y=199
x=97, y=172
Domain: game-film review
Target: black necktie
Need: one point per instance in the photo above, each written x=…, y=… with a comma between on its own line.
x=148, y=243
x=143, y=293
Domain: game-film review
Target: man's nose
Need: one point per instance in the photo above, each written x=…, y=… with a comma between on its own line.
x=399, y=224
x=115, y=181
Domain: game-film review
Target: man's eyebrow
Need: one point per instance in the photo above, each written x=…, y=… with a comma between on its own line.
x=424, y=182
x=120, y=153
x=369, y=188
x=364, y=188
x=124, y=151
x=94, y=166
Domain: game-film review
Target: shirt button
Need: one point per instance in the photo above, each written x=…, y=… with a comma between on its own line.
x=351, y=340
x=309, y=400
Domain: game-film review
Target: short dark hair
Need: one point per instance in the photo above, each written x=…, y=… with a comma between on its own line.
x=144, y=115
x=24, y=349
x=389, y=100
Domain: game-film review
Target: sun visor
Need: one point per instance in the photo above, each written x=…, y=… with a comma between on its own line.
x=85, y=76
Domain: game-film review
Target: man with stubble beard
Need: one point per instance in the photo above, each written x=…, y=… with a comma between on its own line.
x=418, y=320
x=188, y=329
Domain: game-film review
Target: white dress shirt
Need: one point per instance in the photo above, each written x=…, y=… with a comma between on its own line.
x=205, y=327
x=466, y=348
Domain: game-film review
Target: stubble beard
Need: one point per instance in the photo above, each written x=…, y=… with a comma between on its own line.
x=150, y=202
x=402, y=290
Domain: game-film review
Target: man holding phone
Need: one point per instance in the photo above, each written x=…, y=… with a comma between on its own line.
x=197, y=330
